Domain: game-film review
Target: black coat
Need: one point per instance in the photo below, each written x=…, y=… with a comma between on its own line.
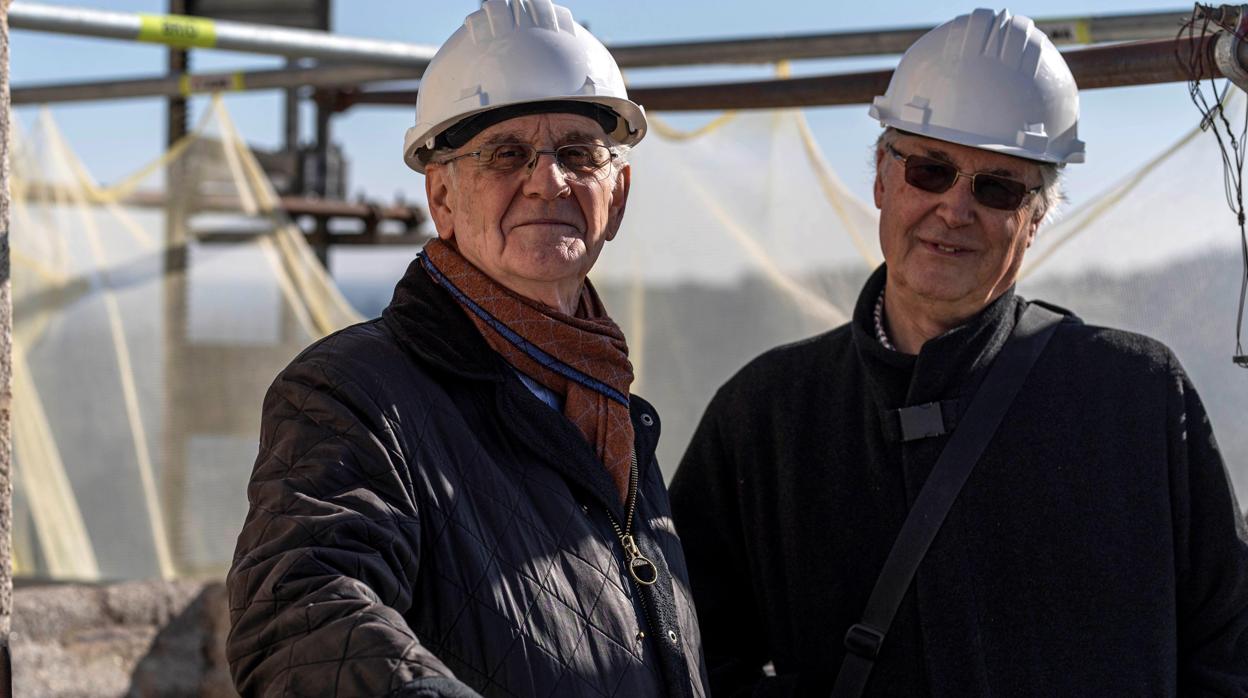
x=1096, y=550
x=422, y=525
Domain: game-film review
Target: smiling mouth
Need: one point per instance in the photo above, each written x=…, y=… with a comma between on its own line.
x=948, y=250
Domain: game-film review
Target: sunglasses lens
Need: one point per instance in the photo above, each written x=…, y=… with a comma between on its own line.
x=998, y=192
x=930, y=175
x=937, y=176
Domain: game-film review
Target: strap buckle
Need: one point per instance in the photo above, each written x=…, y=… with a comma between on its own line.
x=864, y=641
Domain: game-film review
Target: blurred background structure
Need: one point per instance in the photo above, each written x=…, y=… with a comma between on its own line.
x=158, y=289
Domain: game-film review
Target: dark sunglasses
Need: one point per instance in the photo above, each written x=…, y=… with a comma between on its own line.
x=937, y=176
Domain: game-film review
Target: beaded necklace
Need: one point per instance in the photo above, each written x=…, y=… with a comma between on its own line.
x=880, y=334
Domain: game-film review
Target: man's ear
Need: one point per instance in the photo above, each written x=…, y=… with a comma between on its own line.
x=1038, y=212
x=619, y=199
x=440, y=192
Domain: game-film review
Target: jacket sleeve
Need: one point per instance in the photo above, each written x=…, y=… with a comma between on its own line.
x=706, y=507
x=1211, y=542
x=327, y=560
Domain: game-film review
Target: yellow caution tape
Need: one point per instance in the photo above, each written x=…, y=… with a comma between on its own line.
x=1069, y=31
x=1083, y=32
x=178, y=30
x=198, y=84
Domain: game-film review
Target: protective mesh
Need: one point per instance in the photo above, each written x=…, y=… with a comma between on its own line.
x=740, y=238
x=143, y=350
x=142, y=353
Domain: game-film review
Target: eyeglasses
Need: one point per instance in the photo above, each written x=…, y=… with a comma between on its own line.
x=937, y=176
x=576, y=160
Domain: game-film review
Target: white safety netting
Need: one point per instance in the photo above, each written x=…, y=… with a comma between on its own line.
x=142, y=352
x=150, y=316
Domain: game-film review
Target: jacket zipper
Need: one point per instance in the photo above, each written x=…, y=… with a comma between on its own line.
x=640, y=567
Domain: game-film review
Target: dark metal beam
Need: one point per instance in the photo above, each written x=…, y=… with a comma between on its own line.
x=1119, y=65
x=755, y=50
x=878, y=42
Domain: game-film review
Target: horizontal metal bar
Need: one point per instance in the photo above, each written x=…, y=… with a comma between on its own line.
x=1086, y=30
x=1119, y=65
x=203, y=83
x=199, y=32
x=1116, y=65
x=335, y=238
x=411, y=216
x=238, y=36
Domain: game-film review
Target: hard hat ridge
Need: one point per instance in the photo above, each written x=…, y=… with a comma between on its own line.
x=517, y=52
x=987, y=80
x=499, y=17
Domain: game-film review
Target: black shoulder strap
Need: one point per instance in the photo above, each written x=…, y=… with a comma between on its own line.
x=953, y=467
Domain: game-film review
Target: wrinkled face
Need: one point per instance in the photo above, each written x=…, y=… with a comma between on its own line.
x=947, y=249
x=529, y=229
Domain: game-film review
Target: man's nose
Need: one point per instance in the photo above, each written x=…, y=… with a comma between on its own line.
x=546, y=178
x=957, y=205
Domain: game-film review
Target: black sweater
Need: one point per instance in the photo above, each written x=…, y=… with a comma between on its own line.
x=1097, y=548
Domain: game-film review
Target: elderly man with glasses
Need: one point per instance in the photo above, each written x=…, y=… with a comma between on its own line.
x=461, y=497
x=961, y=493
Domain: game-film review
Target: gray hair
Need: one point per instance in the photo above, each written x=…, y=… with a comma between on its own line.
x=1051, y=194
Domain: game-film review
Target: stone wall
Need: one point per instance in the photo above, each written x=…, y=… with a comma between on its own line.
x=6, y=367
x=148, y=638
x=142, y=639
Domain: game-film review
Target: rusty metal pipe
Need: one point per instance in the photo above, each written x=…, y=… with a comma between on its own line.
x=1119, y=65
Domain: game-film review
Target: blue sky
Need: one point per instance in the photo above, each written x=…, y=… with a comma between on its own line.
x=1122, y=127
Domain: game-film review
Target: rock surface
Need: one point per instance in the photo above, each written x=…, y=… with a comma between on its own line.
x=147, y=638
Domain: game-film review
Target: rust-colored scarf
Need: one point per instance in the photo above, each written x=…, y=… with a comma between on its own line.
x=583, y=359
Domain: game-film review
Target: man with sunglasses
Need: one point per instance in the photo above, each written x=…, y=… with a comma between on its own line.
x=461, y=497
x=1094, y=549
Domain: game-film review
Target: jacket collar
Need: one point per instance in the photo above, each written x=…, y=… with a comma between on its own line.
x=947, y=366
x=432, y=326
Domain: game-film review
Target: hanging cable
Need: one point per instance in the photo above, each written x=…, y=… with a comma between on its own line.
x=1210, y=99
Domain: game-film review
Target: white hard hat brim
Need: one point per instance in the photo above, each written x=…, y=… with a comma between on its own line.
x=633, y=126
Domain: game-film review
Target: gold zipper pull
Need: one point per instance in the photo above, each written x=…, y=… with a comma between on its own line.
x=640, y=567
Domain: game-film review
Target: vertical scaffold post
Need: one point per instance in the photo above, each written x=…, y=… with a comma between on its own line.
x=179, y=63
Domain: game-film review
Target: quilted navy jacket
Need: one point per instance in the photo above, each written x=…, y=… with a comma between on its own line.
x=421, y=524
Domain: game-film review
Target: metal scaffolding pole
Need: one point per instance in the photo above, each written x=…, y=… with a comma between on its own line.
x=824, y=90
x=1119, y=65
x=179, y=61
x=200, y=32
x=1084, y=30
x=237, y=36
x=170, y=85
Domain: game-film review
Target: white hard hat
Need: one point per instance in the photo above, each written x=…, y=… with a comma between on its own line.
x=517, y=53
x=987, y=80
